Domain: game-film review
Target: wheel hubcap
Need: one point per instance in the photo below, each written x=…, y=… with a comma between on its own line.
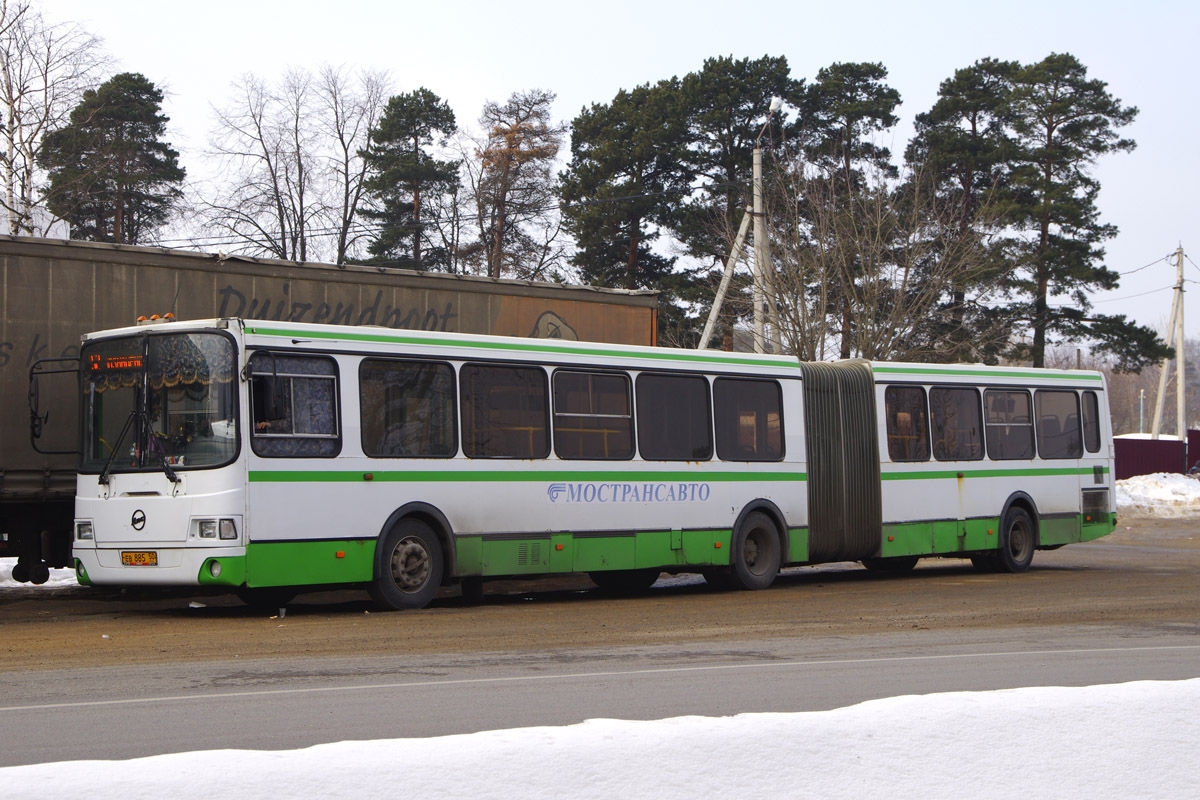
x=754, y=549
x=411, y=565
x=1018, y=541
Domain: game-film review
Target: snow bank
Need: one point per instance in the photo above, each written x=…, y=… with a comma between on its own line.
x=1127, y=740
x=1162, y=494
x=58, y=577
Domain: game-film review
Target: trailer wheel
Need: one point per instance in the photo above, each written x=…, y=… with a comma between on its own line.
x=756, y=552
x=20, y=572
x=39, y=573
x=1015, y=553
x=409, y=567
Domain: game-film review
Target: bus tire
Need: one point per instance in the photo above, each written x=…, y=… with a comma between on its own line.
x=755, y=556
x=1017, y=540
x=624, y=581
x=409, y=565
x=893, y=564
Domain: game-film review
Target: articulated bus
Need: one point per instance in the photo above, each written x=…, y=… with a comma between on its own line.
x=267, y=457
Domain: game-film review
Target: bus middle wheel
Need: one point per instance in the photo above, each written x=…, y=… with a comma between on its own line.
x=755, y=556
x=408, y=568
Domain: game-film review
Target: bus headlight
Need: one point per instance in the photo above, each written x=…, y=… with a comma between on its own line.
x=228, y=529
x=208, y=528
x=214, y=568
x=83, y=530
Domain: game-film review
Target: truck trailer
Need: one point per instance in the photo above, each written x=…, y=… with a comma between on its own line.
x=53, y=291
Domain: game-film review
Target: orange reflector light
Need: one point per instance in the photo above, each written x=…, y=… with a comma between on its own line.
x=891, y=538
x=558, y=547
x=717, y=545
x=1088, y=518
x=368, y=476
x=989, y=531
x=340, y=554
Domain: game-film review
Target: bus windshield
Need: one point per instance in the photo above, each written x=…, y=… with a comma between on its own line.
x=159, y=401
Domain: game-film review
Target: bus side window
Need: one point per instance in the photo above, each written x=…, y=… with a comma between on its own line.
x=1009, y=424
x=1091, y=422
x=293, y=402
x=907, y=423
x=407, y=409
x=1059, y=434
x=593, y=415
x=504, y=411
x=957, y=424
x=674, y=418
x=749, y=419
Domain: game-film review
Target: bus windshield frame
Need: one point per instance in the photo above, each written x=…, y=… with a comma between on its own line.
x=159, y=401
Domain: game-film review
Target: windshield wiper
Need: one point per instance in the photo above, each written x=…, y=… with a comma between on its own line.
x=116, y=448
x=171, y=476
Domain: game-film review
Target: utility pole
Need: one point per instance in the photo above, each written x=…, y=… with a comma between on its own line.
x=761, y=282
x=1175, y=338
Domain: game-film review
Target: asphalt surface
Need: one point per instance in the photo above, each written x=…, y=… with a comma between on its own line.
x=104, y=674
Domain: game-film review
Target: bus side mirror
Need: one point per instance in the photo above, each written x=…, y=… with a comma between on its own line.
x=67, y=395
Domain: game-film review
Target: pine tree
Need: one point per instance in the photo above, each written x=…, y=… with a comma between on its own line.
x=841, y=113
x=404, y=176
x=728, y=102
x=1064, y=122
x=963, y=150
x=111, y=175
x=624, y=181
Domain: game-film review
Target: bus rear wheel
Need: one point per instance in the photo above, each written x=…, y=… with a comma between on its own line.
x=755, y=555
x=1015, y=552
x=409, y=565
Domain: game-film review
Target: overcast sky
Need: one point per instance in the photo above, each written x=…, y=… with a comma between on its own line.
x=470, y=52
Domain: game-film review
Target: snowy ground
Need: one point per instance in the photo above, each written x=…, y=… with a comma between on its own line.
x=1127, y=740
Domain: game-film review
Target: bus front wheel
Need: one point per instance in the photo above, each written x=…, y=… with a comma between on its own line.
x=409, y=567
x=1015, y=552
x=755, y=555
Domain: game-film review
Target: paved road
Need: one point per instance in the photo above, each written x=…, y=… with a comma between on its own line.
x=101, y=675
x=125, y=712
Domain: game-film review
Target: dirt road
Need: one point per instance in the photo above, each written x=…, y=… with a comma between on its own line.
x=1145, y=575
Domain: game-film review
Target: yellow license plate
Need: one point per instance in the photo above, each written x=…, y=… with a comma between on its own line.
x=139, y=559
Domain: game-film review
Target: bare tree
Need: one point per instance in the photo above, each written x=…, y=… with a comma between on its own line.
x=881, y=253
x=291, y=156
x=347, y=117
x=44, y=70
x=513, y=182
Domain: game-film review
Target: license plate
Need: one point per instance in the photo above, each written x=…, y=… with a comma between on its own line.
x=139, y=559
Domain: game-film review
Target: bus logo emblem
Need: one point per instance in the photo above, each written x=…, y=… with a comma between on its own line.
x=138, y=520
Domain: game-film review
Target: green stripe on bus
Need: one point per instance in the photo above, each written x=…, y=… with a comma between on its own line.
x=665, y=354
x=999, y=372
x=510, y=476
x=1031, y=472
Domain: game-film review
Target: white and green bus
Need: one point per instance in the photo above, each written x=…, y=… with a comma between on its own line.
x=266, y=457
